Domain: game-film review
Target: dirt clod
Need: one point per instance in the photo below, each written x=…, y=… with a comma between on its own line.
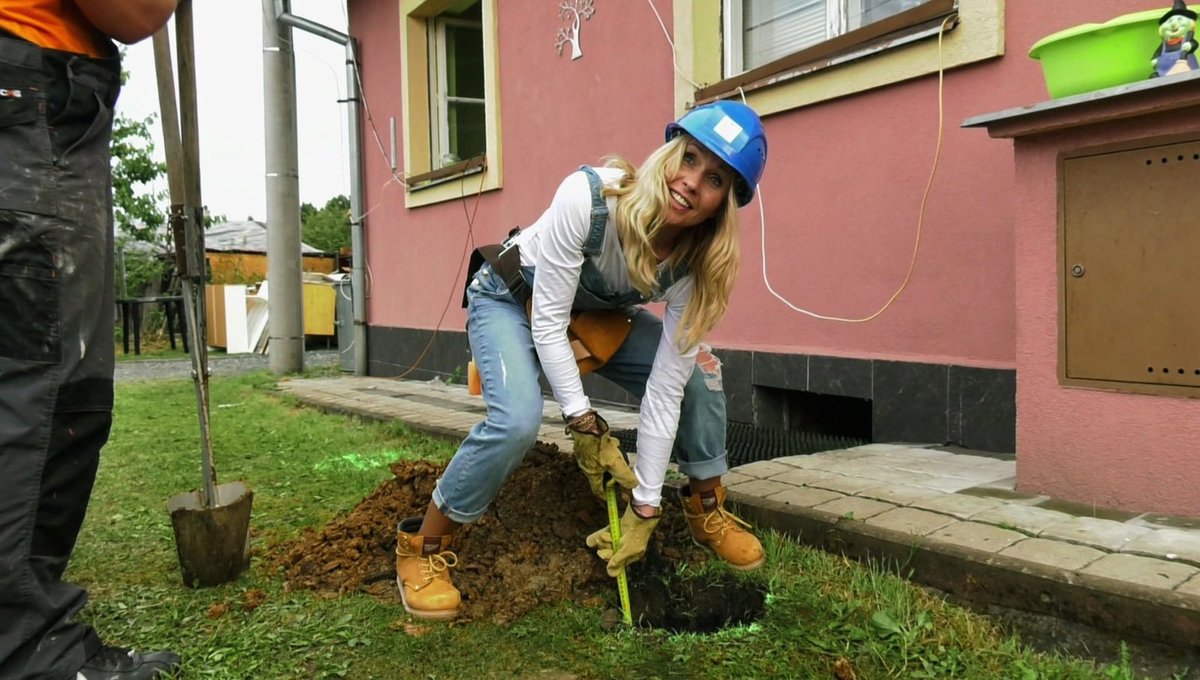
x=527, y=550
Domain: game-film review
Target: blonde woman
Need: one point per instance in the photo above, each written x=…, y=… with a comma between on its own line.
x=613, y=238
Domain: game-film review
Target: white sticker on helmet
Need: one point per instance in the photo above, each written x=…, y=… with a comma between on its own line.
x=727, y=129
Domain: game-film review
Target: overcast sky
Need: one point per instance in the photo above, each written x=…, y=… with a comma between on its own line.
x=230, y=92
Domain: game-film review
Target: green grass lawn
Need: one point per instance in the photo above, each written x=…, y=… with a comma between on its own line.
x=306, y=467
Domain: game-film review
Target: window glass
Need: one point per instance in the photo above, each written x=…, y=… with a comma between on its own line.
x=464, y=91
x=761, y=31
x=458, y=113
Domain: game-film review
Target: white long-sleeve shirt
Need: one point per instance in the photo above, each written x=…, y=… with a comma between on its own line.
x=554, y=246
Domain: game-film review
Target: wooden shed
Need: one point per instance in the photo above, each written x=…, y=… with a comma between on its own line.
x=237, y=253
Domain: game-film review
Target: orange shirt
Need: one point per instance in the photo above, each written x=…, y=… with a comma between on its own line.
x=55, y=24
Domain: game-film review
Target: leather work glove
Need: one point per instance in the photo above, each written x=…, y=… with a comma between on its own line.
x=635, y=534
x=597, y=452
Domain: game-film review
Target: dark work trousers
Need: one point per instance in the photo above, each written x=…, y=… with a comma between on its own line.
x=56, y=341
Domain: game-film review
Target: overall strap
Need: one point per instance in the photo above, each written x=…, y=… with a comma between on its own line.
x=595, y=237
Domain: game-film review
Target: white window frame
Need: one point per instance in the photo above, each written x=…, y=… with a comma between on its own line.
x=837, y=22
x=440, y=99
x=429, y=182
x=976, y=34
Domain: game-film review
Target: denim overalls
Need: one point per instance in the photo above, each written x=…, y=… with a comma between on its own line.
x=56, y=340
x=502, y=344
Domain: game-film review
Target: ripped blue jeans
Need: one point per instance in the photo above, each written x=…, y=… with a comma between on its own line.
x=502, y=345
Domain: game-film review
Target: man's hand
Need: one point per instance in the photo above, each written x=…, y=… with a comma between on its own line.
x=596, y=452
x=635, y=535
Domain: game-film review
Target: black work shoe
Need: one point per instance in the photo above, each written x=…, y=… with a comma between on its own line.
x=115, y=663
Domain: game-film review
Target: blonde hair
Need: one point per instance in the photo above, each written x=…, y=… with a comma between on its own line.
x=710, y=250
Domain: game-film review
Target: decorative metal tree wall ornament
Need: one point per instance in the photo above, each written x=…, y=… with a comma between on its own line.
x=576, y=11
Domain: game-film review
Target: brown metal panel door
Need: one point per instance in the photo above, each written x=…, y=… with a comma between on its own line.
x=1131, y=265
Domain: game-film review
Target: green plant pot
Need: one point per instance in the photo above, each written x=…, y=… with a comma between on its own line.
x=1096, y=56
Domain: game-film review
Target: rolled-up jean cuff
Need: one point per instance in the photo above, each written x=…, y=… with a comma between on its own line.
x=454, y=515
x=705, y=469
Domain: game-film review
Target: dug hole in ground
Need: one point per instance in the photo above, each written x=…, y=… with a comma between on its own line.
x=527, y=550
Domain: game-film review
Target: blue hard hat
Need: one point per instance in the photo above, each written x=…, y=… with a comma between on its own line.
x=733, y=132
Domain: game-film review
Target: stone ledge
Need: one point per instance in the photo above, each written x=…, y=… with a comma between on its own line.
x=1157, y=614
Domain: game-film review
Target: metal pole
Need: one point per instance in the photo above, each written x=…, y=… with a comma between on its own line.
x=357, y=206
x=285, y=302
x=358, y=247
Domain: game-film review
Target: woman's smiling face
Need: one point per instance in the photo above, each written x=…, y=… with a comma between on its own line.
x=699, y=189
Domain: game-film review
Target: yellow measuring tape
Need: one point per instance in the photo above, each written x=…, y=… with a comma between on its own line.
x=614, y=529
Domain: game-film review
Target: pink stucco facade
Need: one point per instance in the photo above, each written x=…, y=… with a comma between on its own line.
x=842, y=191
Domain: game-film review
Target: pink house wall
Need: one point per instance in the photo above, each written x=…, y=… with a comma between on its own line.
x=556, y=114
x=1136, y=452
x=842, y=191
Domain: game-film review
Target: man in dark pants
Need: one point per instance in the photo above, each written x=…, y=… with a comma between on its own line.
x=59, y=78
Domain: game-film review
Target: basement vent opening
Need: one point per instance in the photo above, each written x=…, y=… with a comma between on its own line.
x=745, y=443
x=789, y=423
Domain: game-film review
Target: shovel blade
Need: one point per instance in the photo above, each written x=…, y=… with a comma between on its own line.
x=212, y=542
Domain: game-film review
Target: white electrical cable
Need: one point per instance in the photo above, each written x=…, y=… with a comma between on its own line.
x=920, y=215
x=762, y=220
x=674, y=57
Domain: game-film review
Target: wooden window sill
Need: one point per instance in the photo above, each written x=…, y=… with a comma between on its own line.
x=451, y=172
x=904, y=27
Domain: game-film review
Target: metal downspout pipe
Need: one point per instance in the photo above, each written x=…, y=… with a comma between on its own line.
x=357, y=200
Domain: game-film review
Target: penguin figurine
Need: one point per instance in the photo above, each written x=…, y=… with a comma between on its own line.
x=1177, y=51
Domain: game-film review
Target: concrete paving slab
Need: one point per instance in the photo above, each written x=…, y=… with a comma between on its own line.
x=762, y=488
x=1190, y=587
x=956, y=505
x=852, y=507
x=1024, y=518
x=977, y=536
x=732, y=478
x=951, y=484
x=1088, y=510
x=919, y=454
x=802, y=476
x=898, y=494
x=913, y=479
x=844, y=484
x=804, y=497
x=1157, y=521
x=863, y=470
x=1098, y=533
x=1170, y=544
x=818, y=463
x=838, y=454
x=1008, y=483
x=762, y=469
x=1056, y=554
x=911, y=521
x=1145, y=571
x=879, y=448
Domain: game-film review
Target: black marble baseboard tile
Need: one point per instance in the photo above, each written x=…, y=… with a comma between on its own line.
x=910, y=402
x=840, y=376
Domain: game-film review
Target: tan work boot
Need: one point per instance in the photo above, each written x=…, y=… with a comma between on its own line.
x=719, y=530
x=423, y=572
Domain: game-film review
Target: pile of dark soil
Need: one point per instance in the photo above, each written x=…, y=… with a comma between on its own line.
x=526, y=551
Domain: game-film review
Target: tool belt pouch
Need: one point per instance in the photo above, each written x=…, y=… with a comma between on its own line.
x=506, y=263
x=596, y=335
